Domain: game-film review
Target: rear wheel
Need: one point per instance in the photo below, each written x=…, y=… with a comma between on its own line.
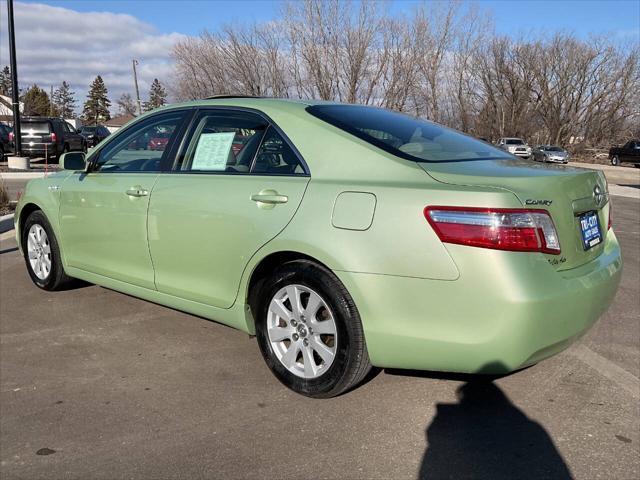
x=615, y=161
x=42, y=253
x=309, y=331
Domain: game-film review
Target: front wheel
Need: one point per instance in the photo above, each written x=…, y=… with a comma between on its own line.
x=309, y=331
x=42, y=253
x=615, y=161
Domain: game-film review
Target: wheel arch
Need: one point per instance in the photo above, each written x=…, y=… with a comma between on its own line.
x=261, y=271
x=26, y=210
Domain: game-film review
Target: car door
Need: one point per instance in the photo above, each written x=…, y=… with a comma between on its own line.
x=633, y=154
x=236, y=185
x=78, y=139
x=103, y=213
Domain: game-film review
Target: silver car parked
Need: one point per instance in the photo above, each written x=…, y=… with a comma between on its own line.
x=550, y=153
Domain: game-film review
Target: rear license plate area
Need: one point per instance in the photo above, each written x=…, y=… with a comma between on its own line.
x=590, y=229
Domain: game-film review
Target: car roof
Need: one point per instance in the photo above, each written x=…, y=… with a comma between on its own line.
x=258, y=103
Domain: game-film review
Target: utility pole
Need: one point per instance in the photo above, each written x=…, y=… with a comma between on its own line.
x=15, y=102
x=135, y=80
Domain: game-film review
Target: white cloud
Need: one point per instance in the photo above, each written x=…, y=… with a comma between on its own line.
x=56, y=44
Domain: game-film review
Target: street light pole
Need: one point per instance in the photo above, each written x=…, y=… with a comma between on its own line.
x=135, y=80
x=15, y=101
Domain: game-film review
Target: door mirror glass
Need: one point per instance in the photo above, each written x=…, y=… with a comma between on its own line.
x=73, y=161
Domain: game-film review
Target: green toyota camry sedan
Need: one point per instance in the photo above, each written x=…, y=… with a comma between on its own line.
x=341, y=236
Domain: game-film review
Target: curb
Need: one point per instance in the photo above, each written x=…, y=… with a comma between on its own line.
x=6, y=223
x=18, y=175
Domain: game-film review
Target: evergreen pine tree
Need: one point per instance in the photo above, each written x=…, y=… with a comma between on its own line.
x=157, y=96
x=63, y=101
x=36, y=102
x=5, y=81
x=96, y=107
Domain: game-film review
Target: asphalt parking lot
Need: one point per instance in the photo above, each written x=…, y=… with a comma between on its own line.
x=96, y=384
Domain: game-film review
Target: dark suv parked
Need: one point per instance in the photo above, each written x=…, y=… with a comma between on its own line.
x=94, y=134
x=6, y=146
x=51, y=137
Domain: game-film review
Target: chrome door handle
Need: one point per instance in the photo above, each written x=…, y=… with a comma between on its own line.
x=269, y=197
x=137, y=191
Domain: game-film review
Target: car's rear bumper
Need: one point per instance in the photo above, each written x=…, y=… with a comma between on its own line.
x=506, y=311
x=39, y=149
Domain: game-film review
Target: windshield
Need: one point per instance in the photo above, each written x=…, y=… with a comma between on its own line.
x=405, y=136
x=514, y=141
x=553, y=149
x=35, y=127
x=89, y=129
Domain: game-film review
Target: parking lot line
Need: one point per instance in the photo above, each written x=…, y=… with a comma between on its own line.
x=607, y=368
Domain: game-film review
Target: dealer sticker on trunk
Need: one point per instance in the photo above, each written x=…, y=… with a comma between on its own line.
x=590, y=228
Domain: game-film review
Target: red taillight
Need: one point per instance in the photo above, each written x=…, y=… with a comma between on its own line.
x=518, y=230
x=11, y=136
x=609, y=222
x=54, y=139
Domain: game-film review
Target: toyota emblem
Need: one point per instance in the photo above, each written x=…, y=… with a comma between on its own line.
x=597, y=194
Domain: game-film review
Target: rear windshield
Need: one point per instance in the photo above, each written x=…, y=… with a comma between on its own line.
x=405, y=136
x=35, y=127
x=514, y=141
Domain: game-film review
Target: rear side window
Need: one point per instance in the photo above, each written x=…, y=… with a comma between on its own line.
x=405, y=136
x=35, y=127
x=224, y=142
x=275, y=157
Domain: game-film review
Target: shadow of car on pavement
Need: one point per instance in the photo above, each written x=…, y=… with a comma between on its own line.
x=485, y=436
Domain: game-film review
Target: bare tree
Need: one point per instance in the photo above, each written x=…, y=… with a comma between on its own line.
x=443, y=61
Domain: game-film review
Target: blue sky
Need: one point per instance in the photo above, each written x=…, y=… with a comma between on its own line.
x=619, y=17
x=74, y=40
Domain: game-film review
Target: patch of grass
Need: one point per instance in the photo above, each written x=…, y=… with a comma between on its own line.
x=5, y=205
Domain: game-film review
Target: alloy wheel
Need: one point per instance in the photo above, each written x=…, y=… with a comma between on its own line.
x=39, y=251
x=302, y=331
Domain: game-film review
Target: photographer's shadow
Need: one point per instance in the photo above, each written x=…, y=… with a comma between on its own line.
x=485, y=436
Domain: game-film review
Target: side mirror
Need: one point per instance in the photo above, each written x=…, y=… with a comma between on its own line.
x=73, y=161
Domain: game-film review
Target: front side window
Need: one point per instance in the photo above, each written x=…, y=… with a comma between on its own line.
x=224, y=142
x=142, y=147
x=405, y=136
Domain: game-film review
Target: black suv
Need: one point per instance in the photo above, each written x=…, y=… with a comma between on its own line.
x=6, y=146
x=50, y=137
x=94, y=134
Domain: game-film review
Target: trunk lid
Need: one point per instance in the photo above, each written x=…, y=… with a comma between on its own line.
x=565, y=192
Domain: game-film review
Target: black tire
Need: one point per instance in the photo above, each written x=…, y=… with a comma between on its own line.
x=351, y=362
x=615, y=161
x=56, y=278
